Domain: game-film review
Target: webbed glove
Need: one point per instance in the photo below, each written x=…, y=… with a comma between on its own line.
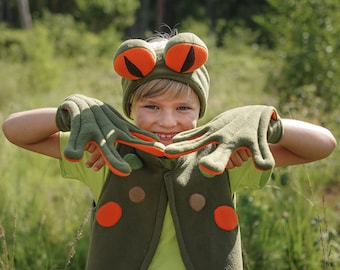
x=91, y=120
x=250, y=127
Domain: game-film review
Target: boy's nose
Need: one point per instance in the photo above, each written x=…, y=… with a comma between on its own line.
x=167, y=119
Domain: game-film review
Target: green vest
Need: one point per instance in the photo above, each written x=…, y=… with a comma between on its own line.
x=130, y=212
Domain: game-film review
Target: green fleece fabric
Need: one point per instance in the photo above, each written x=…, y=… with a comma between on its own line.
x=241, y=178
x=91, y=121
x=248, y=127
x=141, y=200
x=167, y=256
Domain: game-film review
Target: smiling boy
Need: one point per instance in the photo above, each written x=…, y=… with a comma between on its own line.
x=165, y=214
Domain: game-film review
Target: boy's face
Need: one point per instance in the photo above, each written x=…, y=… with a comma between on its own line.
x=166, y=115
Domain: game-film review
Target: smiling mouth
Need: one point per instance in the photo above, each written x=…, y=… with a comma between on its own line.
x=165, y=136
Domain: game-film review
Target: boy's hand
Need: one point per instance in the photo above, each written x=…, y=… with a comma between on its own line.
x=95, y=160
x=248, y=128
x=92, y=121
x=237, y=158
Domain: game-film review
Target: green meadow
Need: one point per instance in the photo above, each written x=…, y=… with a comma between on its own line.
x=292, y=223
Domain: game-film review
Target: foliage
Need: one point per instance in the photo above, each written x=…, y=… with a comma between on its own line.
x=304, y=34
x=96, y=15
x=102, y=14
x=139, y=17
x=34, y=47
x=41, y=48
x=72, y=39
x=289, y=219
x=38, y=221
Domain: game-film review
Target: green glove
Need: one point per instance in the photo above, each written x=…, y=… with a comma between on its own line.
x=91, y=120
x=249, y=127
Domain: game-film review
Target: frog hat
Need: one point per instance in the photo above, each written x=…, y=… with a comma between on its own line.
x=180, y=58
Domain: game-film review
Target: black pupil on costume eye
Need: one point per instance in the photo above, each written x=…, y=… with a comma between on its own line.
x=133, y=69
x=189, y=61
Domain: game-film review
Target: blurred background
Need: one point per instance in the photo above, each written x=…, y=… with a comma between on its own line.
x=280, y=53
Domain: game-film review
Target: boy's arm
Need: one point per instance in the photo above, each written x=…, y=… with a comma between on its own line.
x=258, y=130
x=302, y=142
x=34, y=130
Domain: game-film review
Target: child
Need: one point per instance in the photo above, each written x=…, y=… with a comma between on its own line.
x=165, y=202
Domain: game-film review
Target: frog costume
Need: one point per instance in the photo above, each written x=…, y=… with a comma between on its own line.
x=130, y=215
x=145, y=177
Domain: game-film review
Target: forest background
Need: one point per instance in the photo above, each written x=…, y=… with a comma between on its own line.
x=282, y=53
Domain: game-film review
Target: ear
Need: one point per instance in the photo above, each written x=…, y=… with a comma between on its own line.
x=134, y=59
x=185, y=53
x=131, y=115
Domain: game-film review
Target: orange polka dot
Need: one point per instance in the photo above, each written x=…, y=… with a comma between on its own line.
x=226, y=218
x=109, y=214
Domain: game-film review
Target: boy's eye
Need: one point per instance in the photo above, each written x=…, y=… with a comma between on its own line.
x=151, y=107
x=183, y=108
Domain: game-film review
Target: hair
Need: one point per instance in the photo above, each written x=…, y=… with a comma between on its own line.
x=158, y=87
x=166, y=34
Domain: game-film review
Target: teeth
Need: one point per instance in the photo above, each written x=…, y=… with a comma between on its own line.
x=165, y=136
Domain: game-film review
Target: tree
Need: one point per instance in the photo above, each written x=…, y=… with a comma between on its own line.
x=24, y=14
x=305, y=34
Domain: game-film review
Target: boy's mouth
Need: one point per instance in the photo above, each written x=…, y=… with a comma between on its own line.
x=166, y=136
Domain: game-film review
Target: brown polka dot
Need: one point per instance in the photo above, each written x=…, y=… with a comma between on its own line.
x=137, y=194
x=197, y=202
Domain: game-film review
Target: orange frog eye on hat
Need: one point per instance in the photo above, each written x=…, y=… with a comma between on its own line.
x=181, y=58
x=134, y=59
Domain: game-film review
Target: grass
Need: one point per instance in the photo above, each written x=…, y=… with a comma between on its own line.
x=40, y=212
x=287, y=221
x=293, y=223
